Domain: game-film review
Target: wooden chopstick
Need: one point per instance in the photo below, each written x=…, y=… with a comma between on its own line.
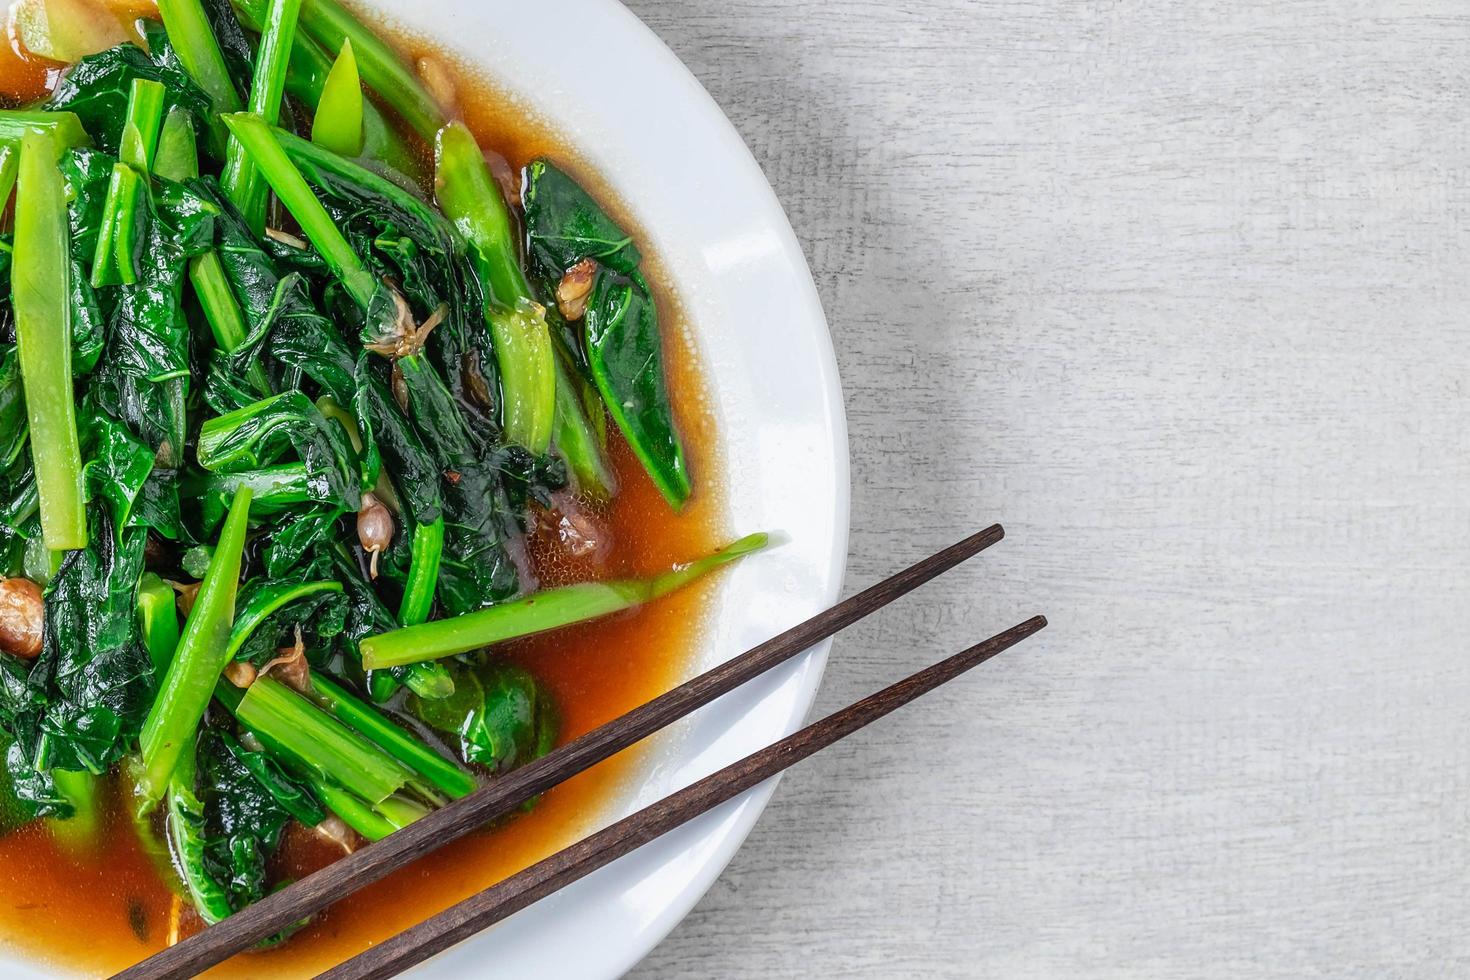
x=459, y=922
x=376, y=861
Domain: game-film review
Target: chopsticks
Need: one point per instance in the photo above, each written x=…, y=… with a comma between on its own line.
x=459, y=922
x=376, y=861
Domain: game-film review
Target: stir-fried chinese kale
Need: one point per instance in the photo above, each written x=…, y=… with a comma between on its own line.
x=277, y=406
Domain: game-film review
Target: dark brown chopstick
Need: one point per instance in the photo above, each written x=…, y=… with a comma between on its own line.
x=376, y=861
x=481, y=911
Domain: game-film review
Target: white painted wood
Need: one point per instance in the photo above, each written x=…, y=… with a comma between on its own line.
x=1179, y=292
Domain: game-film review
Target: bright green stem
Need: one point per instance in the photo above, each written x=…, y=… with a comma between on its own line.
x=40, y=283
x=199, y=52
x=430, y=681
x=439, y=771
x=186, y=840
x=313, y=159
x=9, y=168
x=539, y=612
x=337, y=124
x=423, y=573
x=84, y=826
x=255, y=135
x=65, y=128
x=158, y=621
x=140, y=128
x=226, y=320
x=202, y=655
x=177, y=156
x=306, y=79
x=385, y=73
x=240, y=180
x=315, y=742
x=372, y=822
x=114, y=260
x=578, y=442
x=178, y=159
x=472, y=200
x=117, y=235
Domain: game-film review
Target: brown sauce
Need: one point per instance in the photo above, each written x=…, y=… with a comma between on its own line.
x=99, y=911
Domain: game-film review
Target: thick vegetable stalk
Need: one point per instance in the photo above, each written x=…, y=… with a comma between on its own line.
x=64, y=127
x=337, y=124
x=115, y=258
x=442, y=774
x=472, y=200
x=423, y=573
x=199, y=52
x=177, y=156
x=178, y=159
x=240, y=180
x=373, y=822
x=158, y=621
x=140, y=128
x=254, y=134
x=316, y=743
x=41, y=296
x=541, y=611
x=577, y=441
x=203, y=652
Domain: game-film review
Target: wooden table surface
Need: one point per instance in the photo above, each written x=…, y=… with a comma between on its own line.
x=1179, y=293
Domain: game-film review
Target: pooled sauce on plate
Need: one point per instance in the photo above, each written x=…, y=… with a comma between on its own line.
x=101, y=910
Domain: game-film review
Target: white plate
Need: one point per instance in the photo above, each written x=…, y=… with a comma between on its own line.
x=602, y=79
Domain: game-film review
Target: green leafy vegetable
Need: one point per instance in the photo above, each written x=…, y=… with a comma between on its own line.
x=240, y=181
x=471, y=199
x=269, y=609
x=201, y=657
x=41, y=295
x=337, y=124
x=541, y=611
x=96, y=90
x=197, y=383
x=501, y=716
x=625, y=350
x=81, y=702
x=564, y=225
x=315, y=742
x=621, y=346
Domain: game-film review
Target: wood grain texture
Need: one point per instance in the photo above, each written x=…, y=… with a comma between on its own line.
x=1179, y=292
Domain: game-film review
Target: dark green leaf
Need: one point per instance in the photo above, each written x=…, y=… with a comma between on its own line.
x=268, y=611
x=501, y=716
x=625, y=350
x=564, y=225
x=96, y=89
